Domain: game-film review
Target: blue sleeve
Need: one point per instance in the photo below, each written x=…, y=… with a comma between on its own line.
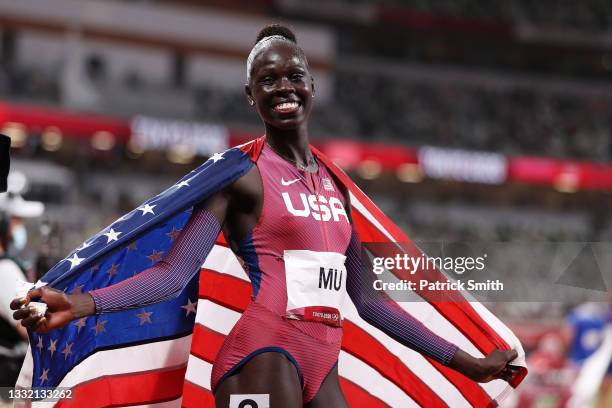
x=167, y=278
x=382, y=312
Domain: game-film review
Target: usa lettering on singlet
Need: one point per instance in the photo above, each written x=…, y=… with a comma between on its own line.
x=317, y=207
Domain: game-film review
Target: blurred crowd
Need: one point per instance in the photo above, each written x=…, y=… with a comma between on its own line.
x=586, y=14
x=510, y=121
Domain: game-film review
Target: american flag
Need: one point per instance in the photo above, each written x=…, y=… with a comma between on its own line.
x=162, y=355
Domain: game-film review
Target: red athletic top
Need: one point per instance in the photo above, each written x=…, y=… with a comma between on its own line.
x=301, y=211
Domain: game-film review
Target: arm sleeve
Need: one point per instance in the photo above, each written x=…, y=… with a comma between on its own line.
x=167, y=278
x=376, y=308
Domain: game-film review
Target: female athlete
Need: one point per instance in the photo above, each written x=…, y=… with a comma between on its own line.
x=284, y=217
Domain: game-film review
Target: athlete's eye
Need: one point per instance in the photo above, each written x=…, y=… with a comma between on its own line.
x=297, y=77
x=267, y=80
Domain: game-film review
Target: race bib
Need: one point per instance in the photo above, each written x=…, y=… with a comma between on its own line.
x=316, y=285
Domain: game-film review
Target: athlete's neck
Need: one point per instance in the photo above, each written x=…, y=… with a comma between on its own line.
x=291, y=144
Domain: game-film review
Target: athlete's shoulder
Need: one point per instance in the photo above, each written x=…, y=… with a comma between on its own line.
x=253, y=148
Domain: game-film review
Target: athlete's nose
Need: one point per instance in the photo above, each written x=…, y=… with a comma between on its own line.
x=285, y=85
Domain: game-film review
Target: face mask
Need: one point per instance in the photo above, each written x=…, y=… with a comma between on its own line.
x=20, y=237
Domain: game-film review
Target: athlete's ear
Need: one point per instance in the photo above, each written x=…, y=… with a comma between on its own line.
x=249, y=95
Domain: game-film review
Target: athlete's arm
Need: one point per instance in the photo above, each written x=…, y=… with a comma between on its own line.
x=162, y=281
x=376, y=308
x=236, y=208
x=168, y=277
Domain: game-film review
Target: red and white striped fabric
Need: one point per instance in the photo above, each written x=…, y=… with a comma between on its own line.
x=375, y=370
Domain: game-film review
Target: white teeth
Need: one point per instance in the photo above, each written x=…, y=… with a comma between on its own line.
x=286, y=106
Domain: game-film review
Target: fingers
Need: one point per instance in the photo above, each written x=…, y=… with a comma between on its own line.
x=508, y=373
x=17, y=303
x=505, y=375
x=511, y=355
x=41, y=325
x=35, y=294
x=23, y=313
x=31, y=321
x=29, y=317
x=514, y=370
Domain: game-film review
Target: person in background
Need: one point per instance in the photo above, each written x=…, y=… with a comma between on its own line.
x=588, y=325
x=13, y=239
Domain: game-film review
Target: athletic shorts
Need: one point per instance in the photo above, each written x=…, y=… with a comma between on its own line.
x=312, y=347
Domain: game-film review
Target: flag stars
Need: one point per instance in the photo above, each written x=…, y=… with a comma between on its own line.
x=80, y=324
x=123, y=217
x=146, y=209
x=216, y=157
x=99, y=327
x=112, y=235
x=183, y=184
x=93, y=270
x=75, y=260
x=174, y=233
x=67, y=350
x=113, y=270
x=83, y=246
x=145, y=317
x=190, y=307
x=44, y=376
x=39, y=345
x=156, y=256
x=52, y=347
x=132, y=246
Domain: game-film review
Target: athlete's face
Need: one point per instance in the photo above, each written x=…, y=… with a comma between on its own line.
x=280, y=86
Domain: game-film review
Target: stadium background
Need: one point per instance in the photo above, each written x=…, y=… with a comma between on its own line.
x=461, y=119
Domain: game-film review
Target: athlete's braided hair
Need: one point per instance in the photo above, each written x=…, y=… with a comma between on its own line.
x=269, y=33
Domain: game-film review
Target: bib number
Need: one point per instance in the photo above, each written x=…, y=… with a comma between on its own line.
x=316, y=285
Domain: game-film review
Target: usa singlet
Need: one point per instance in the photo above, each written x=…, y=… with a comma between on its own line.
x=303, y=229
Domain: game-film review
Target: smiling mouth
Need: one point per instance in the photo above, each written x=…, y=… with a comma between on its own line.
x=287, y=107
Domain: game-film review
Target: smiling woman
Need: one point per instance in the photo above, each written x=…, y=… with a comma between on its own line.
x=287, y=216
x=280, y=85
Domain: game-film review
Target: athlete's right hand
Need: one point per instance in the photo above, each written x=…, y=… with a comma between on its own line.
x=61, y=309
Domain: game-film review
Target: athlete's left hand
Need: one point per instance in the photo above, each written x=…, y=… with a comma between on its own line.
x=492, y=367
